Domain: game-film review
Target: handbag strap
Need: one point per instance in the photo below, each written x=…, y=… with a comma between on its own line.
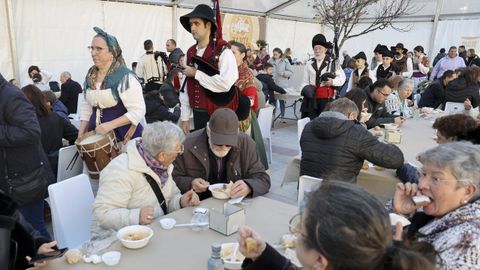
x=158, y=192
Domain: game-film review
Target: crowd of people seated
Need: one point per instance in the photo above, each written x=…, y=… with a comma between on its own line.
x=222, y=86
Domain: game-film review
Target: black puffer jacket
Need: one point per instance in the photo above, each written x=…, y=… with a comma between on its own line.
x=458, y=90
x=334, y=148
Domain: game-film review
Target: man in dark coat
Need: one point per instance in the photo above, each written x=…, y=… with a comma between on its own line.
x=377, y=93
x=334, y=145
x=219, y=153
x=69, y=92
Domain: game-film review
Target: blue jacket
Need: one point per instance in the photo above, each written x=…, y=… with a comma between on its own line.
x=19, y=132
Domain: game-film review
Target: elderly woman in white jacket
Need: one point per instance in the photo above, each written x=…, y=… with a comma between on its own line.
x=125, y=197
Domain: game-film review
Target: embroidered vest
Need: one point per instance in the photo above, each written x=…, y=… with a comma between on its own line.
x=356, y=78
x=401, y=64
x=197, y=95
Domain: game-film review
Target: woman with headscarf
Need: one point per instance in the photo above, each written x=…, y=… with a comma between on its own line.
x=113, y=95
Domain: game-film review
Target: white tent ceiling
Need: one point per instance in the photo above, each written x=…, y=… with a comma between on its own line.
x=302, y=10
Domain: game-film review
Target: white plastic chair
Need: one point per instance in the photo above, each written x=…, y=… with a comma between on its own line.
x=307, y=183
x=265, y=116
x=71, y=205
x=454, y=107
x=68, y=164
x=300, y=126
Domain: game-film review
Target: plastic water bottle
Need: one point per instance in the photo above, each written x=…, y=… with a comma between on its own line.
x=215, y=262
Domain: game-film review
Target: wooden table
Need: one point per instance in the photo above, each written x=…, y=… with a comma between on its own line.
x=183, y=248
x=417, y=136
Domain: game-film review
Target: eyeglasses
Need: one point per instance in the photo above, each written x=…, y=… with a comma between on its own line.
x=385, y=95
x=182, y=149
x=95, y=48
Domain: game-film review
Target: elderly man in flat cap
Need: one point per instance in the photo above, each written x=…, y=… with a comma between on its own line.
x=219, y=153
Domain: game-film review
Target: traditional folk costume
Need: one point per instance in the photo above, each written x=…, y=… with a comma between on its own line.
x=213, y=84
x=385, y=73
x=404, y=64
x=321, y=95
x=120, y=93
x=358, y=73
x=420, y=70
x=247, y=87
x=153, y=68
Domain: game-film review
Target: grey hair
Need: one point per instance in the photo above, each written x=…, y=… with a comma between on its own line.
x=344, y=106
x=404, y=83
x=462, y=158
x=161, y=137
x=66, y=74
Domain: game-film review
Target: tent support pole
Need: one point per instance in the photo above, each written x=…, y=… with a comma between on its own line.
x=174, y=21
x=12, y=38
x=434, y=29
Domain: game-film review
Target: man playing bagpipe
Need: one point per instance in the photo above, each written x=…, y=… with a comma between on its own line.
x=211, y=70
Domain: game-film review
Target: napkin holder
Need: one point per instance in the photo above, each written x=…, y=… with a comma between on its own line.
x=227, y=221
x=393, y=136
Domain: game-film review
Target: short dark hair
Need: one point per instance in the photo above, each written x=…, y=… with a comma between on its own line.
x=148, y=45
x=419, y=49
x=32, y=68
x=173, y=42
x=442, y=50
x=343, y=218
x=11, y=80
x=267, y=65
x=452, y=126
x=447, y=74
x=452, y=47
x=380, y=83
x=461, y=46
x=364, y=82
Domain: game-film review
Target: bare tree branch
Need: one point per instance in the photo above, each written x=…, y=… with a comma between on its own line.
x=346, y=17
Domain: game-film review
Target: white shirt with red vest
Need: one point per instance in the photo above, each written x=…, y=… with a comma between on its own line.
x=217, y=83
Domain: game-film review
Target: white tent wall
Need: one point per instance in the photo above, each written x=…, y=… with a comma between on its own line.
x=6, y=65
x=450, y=33
x=54, y=35
x=291, y=34
x=132, y=24
x=419, y=34
x=184, y=38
